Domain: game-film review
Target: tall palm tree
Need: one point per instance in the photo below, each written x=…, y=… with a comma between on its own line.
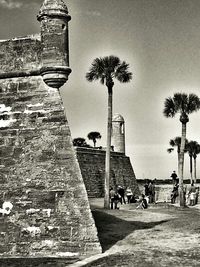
x=106, y=69
x=184, y=105
x=195, y=153
x=191, y=147
x=176, y=142
x=94, y=136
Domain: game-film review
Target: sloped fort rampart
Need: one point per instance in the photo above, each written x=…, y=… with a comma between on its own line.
x=44, y=209
x=92, y=165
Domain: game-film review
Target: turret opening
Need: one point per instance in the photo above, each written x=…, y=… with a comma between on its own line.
x=121, y=128
x=63, y=26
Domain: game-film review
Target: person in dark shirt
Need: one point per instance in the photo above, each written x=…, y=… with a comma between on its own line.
x=174, y=176
x=146, y=188
x=121, y=192
x=174, y=193
x=114, y=199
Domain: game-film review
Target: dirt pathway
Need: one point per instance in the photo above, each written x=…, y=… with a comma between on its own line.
x=159, y=236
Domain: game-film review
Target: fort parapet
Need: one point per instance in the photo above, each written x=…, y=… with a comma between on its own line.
x=92, y=165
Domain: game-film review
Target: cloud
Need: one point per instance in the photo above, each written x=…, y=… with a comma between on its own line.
x=13, y=4
x=91, y=13
x=10, y=4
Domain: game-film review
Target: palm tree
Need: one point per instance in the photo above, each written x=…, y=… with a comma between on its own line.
x=106, y=69
x=94, y=136
x=185, y=105
x=176, y=142
x=191, y=147
x=80, y=142
x=195, y=153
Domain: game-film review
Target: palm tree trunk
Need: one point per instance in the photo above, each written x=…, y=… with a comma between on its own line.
x=182, y=150
x=191, y=177
x=195, y=170
x=179, y=164
x=107, y=163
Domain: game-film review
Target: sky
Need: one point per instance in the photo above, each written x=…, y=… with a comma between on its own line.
x=160, y=39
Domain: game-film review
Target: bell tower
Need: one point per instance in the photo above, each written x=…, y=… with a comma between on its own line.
x=118, y=133
x=53, y=17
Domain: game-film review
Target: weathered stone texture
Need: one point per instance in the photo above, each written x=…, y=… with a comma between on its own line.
x=20, y=55
x=44, y=209
x=40, y=176
x=54, y=52
x=92, y=165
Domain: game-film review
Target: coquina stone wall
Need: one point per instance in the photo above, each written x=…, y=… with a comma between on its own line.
x=44, y=208
x=92, y=165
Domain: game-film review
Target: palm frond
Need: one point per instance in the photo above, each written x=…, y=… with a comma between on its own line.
x=191, y=146
x=169, y=150
x=122, y=73
x=124, y=77
x=172, y=143
x=96, y=71
x=193, y=103
x=186, y=103
x=169, y=108
x=180, y=101
x=92, y=76
x=110, y=63
x=177, y=140
x=196, y=150
x=113, y=61
x=102, y=79
x=122, y=67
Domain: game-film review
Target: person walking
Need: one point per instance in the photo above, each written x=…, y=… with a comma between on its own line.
x=114, y=199
x=153, y=192
x=146, y=188
x=174, y=177
x=121, y=192
x=192, y=194
x=129, y=194
x=174, y=193
x=150, y=189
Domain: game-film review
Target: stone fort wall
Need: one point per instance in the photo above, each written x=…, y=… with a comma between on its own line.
x=48, y=213
x=92, y=165
x=39, y=175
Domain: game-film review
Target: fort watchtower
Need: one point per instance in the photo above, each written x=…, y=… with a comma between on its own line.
x=53, y=17
x=118, y=133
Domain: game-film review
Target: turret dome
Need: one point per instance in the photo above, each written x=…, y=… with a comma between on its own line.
x=118, y=118
x=53, y=8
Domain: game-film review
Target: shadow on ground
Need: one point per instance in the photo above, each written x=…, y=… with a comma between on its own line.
x=112, y=229
x=35, y=262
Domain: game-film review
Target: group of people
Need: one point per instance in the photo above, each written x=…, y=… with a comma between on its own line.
x=191, y=194
x=149, y=191
x=124, y=195
x=121, y=195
